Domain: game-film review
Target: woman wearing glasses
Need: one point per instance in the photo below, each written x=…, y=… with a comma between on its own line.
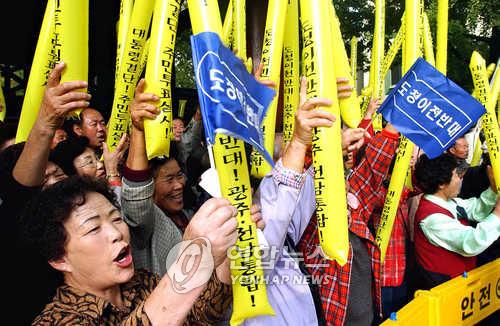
x=76, y=157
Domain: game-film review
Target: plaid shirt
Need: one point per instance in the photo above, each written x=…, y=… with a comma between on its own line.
x=365, y=184
x=393, y=267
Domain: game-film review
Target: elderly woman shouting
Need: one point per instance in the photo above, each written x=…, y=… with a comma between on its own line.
x=78, y=227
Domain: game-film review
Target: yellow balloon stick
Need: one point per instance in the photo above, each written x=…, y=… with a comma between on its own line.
x=74, y=32
x=477, y=152
x=159, y=75
x=126, y=7
x=354, y=60
x=129, y=71
x=442, y=36
x=249, y=289
x=378, y=48
x=377, y=56
x=3, y=106
x=272, y=49
x=413, y=14
x=489, y=121
x=366, y=93
x=489, y=71
x=331, y=206
x=227, y=27
x=144, y=57
x=291, y=69
x=394, y=48
x=427, y=39
x=240, y=28
x=44, y=61
x=495, y=88
x=349, y=107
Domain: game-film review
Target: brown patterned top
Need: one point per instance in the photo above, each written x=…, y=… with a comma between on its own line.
x=71, y=306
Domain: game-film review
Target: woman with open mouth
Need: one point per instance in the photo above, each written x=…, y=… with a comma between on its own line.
x=79, y=230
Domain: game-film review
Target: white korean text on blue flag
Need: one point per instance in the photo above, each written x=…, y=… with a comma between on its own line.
x=232, y=101
x=430, y=109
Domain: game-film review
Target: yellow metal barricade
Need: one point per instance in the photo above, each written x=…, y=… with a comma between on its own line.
x=464, y=300
x=467, y=300
x=417, y=312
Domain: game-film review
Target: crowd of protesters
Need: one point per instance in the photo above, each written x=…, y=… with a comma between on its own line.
x=88, y=231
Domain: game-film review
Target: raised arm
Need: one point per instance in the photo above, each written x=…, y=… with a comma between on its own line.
x=140, y=109
x=171, y=302
x=137, y=188
x=58, y=100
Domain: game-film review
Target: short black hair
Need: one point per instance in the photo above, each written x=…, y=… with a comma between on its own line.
x=432, y=173
x=44, y=217
x=66, y=151
x=7, y=132
x=156, y=163
x=9, y=157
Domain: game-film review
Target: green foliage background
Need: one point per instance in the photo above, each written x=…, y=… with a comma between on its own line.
x=473, y=25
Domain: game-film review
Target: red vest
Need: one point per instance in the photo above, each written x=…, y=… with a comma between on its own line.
x=433, y=258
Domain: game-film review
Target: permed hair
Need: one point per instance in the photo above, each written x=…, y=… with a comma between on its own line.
x=432, y=173
x=66, y=151
x=43, y=218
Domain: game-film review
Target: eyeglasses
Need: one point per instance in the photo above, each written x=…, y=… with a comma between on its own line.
x=92, y=163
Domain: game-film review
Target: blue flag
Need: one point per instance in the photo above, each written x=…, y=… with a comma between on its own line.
x=430, y=109
x=232, y=102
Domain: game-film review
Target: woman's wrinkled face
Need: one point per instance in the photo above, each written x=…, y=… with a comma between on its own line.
x=87, y=164
x=97, y=252
x=452, y=189
x=169, y=187
x=53, y=174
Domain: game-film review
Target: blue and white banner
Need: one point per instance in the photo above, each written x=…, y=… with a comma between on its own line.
x=430, y=109
x=232, y=101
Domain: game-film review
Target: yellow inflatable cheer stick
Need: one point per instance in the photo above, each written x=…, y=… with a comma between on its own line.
x=159, y=75
x=394, y=48
x=442, y=36
x=489, y=121
x=3, y=107
x=354, y=60
x=478, y=151
x=377, y=55
x=428, y=49
x=240, y=28
x=495, y=88
x=489, y=71
x=43, y=62
x=126, y=7
x=349, y=107
x=405, y=149
x=227, y=27
x=74, y=31
x=366, y=93
x=331, y=207
x=272, y=49
x=182, y=107
x=129, y=71
x=249, y=290
x=291, y=69
x=144, y=57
